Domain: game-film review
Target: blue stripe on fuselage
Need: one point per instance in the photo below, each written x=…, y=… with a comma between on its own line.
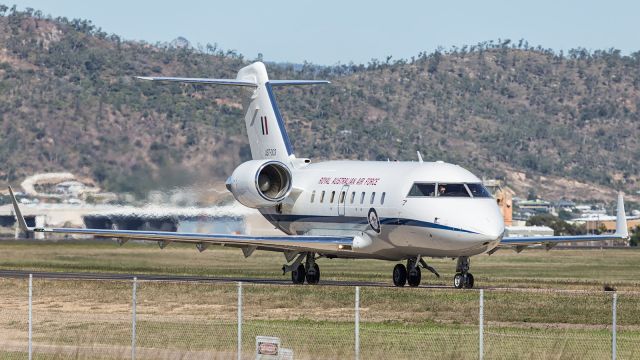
x=356, y=220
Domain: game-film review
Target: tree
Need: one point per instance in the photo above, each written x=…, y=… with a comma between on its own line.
x=634, y=240
x=564, y=215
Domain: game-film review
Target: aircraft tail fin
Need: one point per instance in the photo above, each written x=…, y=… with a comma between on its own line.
x=268, y=137
x=21, y=222
x=621, y=218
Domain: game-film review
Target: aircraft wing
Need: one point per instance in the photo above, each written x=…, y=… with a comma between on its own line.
x=519, y=243
x=319, y=244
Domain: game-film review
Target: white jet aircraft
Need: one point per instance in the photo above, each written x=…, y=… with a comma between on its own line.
x=397, y=211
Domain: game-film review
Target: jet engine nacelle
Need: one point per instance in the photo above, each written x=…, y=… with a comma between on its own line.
x=260, y=183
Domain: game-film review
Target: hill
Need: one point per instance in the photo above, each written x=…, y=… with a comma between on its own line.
x=566, y=124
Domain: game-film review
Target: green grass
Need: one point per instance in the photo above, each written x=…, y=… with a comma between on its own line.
x=91, y=319
x=562, y=269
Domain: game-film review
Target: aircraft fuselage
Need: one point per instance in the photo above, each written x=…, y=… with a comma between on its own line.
x=372, y=200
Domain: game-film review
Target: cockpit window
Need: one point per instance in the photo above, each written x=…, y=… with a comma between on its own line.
x=479, y=191
x=452, y=190
x=422, y=190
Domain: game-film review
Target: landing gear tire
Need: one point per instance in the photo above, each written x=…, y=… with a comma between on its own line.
x=298, y=275
x=313, y=276
x=468, y=281
x=414, y=276
x=399, y=275
x=463, y=281
x=458, y=281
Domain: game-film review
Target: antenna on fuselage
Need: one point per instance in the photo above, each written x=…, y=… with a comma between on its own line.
x=419, y=156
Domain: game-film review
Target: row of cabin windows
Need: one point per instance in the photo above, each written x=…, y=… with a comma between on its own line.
x=343, y=195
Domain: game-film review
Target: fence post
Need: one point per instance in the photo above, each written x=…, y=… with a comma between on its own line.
x=133, y=319
x=30, y=316
x=357, y=323
x=481, y=325
x=239, y=320
x=613, y=327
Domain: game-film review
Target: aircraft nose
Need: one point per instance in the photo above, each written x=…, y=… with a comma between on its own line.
x=494, y=231
x=490, y=225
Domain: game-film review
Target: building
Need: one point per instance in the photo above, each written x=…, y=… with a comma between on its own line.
x=504, y=197
x=536, y=206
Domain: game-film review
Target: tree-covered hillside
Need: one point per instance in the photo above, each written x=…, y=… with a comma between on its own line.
x=68, y=100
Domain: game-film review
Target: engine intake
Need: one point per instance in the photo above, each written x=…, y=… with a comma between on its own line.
x=260, y=183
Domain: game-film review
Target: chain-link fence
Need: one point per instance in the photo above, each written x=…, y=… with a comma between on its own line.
x=124, y=319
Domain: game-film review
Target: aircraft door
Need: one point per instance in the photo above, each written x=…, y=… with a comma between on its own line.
x=342, y=200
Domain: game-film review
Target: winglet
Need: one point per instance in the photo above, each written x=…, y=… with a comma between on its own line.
x=621, y=219
x=16, y=209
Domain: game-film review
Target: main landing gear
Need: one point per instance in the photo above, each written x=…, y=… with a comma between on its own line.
x=310, y=271
x=411, y=274
x=463, y=278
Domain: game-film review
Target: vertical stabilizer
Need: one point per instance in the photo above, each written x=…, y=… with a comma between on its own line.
x=268, y=137
x=621, y=218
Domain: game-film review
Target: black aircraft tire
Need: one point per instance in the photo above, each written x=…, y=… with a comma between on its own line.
x=414, y=277
x=314, y=277
x=468, y=281
x=298, y=275
x=399, y=275
x=458, y=281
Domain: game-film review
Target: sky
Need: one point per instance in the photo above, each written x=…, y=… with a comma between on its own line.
x=333, y=32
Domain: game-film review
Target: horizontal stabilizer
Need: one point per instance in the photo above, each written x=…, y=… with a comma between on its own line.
x=298, y=82
x=232, y=82
x=200, y=81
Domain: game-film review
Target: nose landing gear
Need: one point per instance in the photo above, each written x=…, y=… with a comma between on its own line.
x=463, y=278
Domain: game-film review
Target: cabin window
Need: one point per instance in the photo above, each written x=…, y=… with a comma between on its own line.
x=384, y=194
x=373, y=197
x=479, y=191
x=342, y=196
x=333, y=196
x=313, y=195
x=362, y=198
x=422, y=190
x=322, y=196
x=353, y=196
x=452, y=190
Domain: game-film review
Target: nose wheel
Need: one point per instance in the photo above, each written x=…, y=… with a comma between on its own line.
x=463, y=278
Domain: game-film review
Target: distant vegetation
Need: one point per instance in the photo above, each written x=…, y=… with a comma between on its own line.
x=68, y=101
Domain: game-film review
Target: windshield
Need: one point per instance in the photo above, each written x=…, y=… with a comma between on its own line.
x=479, y=191
x=422, y=190
x=448, y=190
x=452, y=190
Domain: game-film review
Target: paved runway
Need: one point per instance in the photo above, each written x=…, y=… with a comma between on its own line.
x=286, y=279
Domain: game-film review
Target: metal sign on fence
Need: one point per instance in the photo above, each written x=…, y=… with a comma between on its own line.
x=267, y=348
